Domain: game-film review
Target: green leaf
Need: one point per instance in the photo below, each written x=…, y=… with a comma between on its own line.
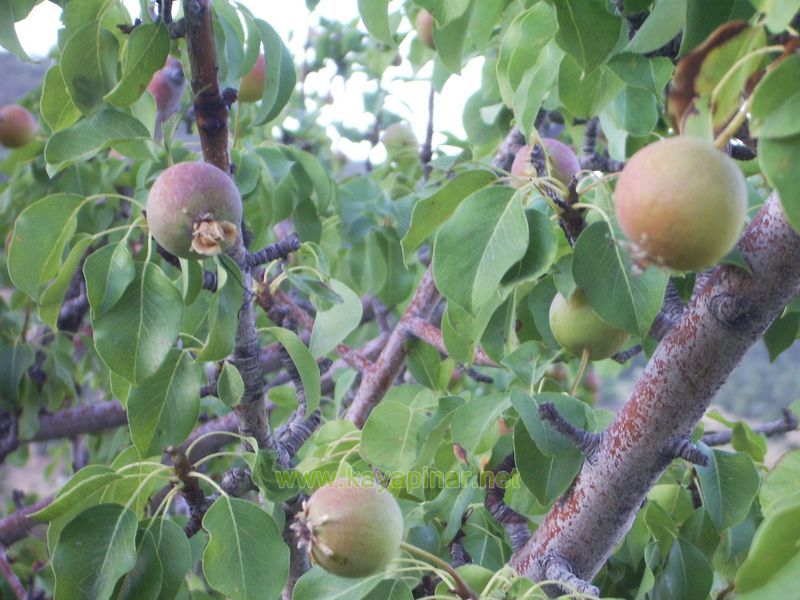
x=526, y=37
x=318, y=584
x=8, y=34
x=174, y=554
x=449, y=39
x=728, y=485
x=475, y=425
x=41, y=233
x=223, y=314
x=93, y=551
x=781, y=482
x=779, y=13
x=89, y=65
x=776, y=101
x=145, y=52
x=375, y=14
x=89, y=136
x=230, y=386
x=779, y=160
x=687, y=575
x=536, y=85
x=87, y=480
x=586, y=95
x=704, y=16
x=548, y=440
x=547, y=477
x=246, y=556
x=53, y=297
x=56, y=107
x=163, y=410
x=485, y=237
x=144, y=579
x=662, y=24
x=305, y=363
x=332, y=326
x=135, y=335
x=16, y=358
x=772, y=566
x=634, y=110
x=280, y=75
x=430, y=212
x=108, y=272
x=586, y=31
x=605, y=272
x=717, y=74
x=389, y=439
x=541, y=252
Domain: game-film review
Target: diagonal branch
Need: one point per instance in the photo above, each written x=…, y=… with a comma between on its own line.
x=729, y=314
x=377, y=379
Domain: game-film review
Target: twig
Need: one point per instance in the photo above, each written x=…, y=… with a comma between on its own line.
x=786, y=424
x=11, y=578
x=515, y=524
x=585, y=441
x=16, y=526
x=281, y=249
x=426, y=150
x=190, y=489
x=590, y=158
x=508, y=150
x=430, y=334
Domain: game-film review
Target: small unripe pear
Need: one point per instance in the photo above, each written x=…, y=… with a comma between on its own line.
x=577, y=328
x=424, y=27
x=17, y=126
x=563, y=163
x=194, y=210
x=350, y=528
x=399, y=136
x=682, y=202
x=251, y=87
x=167, y=87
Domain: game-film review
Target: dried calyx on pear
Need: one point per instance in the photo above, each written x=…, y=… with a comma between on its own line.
x=350, y=528
x=194, y=210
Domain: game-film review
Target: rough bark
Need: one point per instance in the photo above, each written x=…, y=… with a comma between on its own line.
x=377, y=379
x=722, y=321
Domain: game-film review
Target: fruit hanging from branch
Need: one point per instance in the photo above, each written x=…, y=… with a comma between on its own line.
x=562, y=162
x=251, y=87
x=350, y=528
x=424, y=26
x=578, y=328
x=194, y=210
x=167, y=87
x=682, y=203
x=17, y=126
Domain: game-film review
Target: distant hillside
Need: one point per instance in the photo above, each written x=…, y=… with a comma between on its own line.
x=19, y=78
x=756, y=391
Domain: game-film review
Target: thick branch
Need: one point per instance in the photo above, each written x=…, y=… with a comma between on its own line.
x=16, y=526
x=784, y=425
x=211, y=111
x=722, y=321
x=378, y=378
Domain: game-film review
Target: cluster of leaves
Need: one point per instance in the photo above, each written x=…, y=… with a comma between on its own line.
x=72, y=211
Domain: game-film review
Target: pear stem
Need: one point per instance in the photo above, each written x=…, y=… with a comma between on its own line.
x=581, y=369
x=462, y=589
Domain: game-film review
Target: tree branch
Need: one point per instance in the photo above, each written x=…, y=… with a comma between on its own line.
x=376, y=380
x=211, y=111
x=786, y=424
x=722, y=321
x=430, y=334
x=16, y=526
x=11, y=578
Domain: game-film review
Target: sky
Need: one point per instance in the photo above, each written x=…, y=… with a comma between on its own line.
x=37, y=33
